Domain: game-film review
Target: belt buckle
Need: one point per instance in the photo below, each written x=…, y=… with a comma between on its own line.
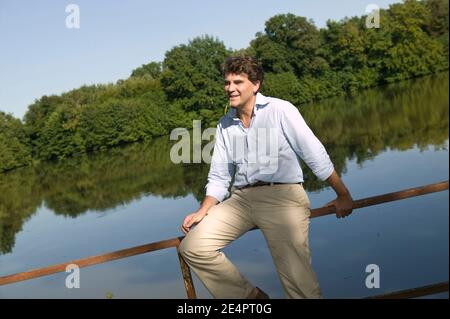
x=262, y=183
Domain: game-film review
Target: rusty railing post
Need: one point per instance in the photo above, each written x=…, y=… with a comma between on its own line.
x=187, y=277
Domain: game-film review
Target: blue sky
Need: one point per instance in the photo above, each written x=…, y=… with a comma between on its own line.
x=39, y=55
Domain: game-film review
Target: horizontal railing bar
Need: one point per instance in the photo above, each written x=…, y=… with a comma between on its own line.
x=89, y=261
x=379, y=199
x=174, y=242
x=415, y=292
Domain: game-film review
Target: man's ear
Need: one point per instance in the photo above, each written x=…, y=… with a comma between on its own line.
x=257, y=84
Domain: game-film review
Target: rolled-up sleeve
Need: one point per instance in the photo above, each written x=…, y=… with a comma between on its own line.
x=304, y=143
x=221, y=171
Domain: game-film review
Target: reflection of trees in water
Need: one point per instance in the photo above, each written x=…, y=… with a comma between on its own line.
x=20, y=196
x=396, y=117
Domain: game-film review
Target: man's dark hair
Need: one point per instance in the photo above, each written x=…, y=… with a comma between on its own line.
x=244, y=64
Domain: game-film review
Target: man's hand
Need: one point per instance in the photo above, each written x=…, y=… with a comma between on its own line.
x=343, y=202
x=343, y=205
x=196, y=217
x=191, y=220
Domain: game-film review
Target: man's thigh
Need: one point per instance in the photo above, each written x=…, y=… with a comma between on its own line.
x=224, y=223
x=283, y=214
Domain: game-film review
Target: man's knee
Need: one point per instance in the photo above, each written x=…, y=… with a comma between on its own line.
x=189, y=248
x=184, y=247
x=193, y=250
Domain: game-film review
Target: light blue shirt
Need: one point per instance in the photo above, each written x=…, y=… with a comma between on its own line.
x=268, y=150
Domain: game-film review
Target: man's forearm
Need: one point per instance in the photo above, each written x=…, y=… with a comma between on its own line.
x=336, y=183
x=207, y=203
x=344, y=202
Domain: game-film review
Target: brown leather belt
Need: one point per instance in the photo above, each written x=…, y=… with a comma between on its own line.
x=259, y=183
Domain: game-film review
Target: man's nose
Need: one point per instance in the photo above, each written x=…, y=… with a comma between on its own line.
x=230, y=88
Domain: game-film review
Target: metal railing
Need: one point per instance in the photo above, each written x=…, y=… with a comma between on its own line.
x=414, y=292
x=187, y=278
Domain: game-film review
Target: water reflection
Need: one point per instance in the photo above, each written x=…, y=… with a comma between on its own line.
x=397, y=117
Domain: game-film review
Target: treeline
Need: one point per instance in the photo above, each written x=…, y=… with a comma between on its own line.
x=302, y=64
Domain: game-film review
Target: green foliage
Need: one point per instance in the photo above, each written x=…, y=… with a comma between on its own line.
x=413, y=52
x=14, y=144
x=192, y=75
x=290, y=44
x=347, y=56
x=151, y=70
x=98, y=117
x=345, y=45
x=285, y=86
x=438, y=23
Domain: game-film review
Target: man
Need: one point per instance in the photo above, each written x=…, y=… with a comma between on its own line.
x=267, y=189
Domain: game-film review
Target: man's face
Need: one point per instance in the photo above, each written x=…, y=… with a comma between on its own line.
x=239, y=89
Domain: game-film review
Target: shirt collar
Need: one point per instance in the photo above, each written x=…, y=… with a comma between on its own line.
x=261, y=101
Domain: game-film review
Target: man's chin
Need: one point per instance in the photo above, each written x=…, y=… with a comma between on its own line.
x=234, y=105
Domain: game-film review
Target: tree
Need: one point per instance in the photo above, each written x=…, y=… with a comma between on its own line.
x=285, y=86
x=290, y=44
x=14, y=148
x=151, y=70
x=192, y=76
x=437, y=26
x=344, y=42
x=413, y=53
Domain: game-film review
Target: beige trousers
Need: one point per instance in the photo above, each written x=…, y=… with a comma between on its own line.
x=282, y=213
